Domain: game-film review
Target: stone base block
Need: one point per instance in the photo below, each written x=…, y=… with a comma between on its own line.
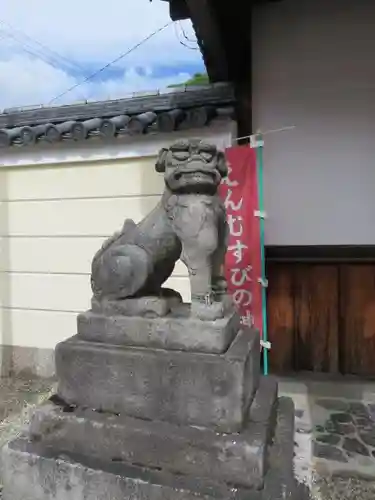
x=176, y=331
x=34, y=471
x=152, y=306
x=185, y=388
x=232, y=458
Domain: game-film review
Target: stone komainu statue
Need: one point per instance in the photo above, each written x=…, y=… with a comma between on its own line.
x=189, y=222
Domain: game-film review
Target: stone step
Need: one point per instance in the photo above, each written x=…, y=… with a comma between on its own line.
x=234, y=458
x=35, y=474
x=34, y=471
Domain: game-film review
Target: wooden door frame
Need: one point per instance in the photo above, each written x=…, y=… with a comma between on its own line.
x=320, y=253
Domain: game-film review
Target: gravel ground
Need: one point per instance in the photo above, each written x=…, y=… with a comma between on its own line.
x=339, y=488
x=18, y=398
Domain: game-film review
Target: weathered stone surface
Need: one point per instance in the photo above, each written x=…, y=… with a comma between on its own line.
x=176, y=331
x=180, y=387
x=363, y=423
x=189, y=222
x=340, y=428
x=328, y=439
x=368, y=437
x=341, y=418
x=152, y=305
x=329, y=452
x=33, y=473
x=233, y=458
x=280, y=482
x=353, y=445
x=264, y=401
x=371, y=411
x=358, y=409
x=333, y=404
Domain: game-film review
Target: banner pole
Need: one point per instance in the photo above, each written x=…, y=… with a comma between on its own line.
x=259, y=155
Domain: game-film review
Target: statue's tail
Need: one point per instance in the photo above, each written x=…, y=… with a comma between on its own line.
x=125, y=234
x=119, y=272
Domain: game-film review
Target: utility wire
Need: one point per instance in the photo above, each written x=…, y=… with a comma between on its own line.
x=114, y=61
x=56, y=56
x=184, y=44
x=30, y=50
x=184, y=33
x=3, y=35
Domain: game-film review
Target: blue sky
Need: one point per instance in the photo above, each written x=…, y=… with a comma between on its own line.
x=47, y=47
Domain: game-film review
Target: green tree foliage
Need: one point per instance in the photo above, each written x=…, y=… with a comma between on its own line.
x=197, y=79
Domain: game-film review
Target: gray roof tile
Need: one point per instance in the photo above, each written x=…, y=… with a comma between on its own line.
x=175, y=109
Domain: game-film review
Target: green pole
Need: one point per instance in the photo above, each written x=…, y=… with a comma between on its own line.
x=259, y=156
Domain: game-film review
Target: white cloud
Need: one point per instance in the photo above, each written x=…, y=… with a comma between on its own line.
x=88, y=34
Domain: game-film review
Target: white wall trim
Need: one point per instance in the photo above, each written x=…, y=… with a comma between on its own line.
x=220, y=132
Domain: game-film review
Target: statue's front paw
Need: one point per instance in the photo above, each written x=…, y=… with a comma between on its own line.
x=207, y=311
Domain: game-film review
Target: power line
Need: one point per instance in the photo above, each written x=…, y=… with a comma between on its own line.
x=184, y=33
x=114, y=61
x=30, y=50
x=184, y=44
x=3, y=35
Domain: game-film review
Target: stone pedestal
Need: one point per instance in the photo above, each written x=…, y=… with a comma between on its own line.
x=185, y=388
x=177, y=331
x=181, y=418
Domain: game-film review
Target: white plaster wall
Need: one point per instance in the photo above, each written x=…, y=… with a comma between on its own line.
x=313, y=67
x=55, y=214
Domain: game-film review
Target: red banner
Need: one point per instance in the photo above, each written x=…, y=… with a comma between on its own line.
x=243, y=260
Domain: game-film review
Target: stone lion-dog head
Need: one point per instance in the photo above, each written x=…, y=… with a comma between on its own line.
x=192, y=166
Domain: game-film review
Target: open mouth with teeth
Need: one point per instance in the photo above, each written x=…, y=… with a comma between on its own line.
x=195, y=175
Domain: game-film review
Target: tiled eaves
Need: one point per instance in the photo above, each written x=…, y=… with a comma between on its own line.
x=178, y=109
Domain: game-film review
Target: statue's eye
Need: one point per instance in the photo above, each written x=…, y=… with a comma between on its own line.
x=207, y=155
x=181, y=155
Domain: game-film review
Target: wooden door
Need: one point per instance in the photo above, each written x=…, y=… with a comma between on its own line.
x=303, y=317
x=357, y=319
x=316, y=318
x=322, y=317
x=280, y=307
